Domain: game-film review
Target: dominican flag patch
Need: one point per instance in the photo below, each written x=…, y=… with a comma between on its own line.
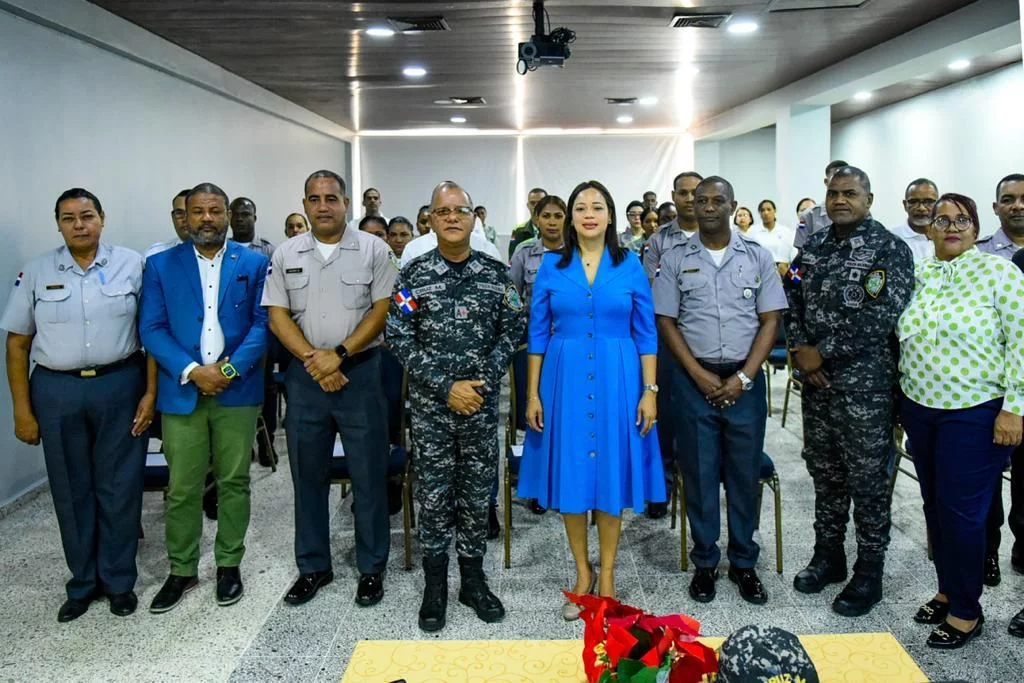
x=17, y=280
x=406, y=303
x=795, y=273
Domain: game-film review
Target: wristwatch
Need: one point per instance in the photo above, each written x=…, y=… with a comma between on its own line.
x=653, y=388
x=745, y=381
x=342, y=352
x=228, y=370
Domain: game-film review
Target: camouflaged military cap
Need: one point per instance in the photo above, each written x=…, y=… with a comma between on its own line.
x=764, y=654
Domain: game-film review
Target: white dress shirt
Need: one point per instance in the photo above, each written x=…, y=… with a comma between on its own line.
x=421, y=245
x=920, y=246
x=211, y=341
x=778, y=241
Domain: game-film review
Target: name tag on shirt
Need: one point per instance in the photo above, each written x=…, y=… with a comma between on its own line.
x=428, y=289
x=52, y=287
x=488, y=287
x=292, y=271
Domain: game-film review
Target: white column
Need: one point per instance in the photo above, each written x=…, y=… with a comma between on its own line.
x=803, y=148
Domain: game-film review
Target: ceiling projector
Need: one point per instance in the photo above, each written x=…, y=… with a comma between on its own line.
x=544, y=49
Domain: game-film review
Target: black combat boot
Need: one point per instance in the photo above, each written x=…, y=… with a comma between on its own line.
x=826, y=566
x=474, y=591
x=435, y=593
x=863, y=592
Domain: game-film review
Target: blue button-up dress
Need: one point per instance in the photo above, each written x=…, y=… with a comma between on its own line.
x=590, y=454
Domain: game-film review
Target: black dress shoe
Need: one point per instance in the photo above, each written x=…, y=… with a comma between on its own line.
x=824, y=568
x=123, y=604
x=992, y=574
x=394, y=497
x=370, y=590
x=493, y=527
x=702, y=586
x=306, y=587
x=229, y=586
x=751, y=588
x=657, y=510
x=1016, y=627
x=536, y=508
x=932, y=612
x=74, y=608
x=171, y=592
x=946, y=637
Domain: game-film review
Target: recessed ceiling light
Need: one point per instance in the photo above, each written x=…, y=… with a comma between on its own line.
x=380, y=32
x=625, y=118
x=414, y=71
x=862, y=96
x=742, y=26
x=960, y=64
x=458, y=119
x=648, y=101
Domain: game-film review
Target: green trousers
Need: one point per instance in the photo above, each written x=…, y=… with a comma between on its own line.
x=227, y=434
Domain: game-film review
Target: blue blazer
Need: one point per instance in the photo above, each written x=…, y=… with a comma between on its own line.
x=171, y=322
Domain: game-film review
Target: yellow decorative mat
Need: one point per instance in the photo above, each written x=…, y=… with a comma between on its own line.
x=846, y=658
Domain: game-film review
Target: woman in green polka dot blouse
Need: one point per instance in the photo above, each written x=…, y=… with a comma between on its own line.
x=962, y=375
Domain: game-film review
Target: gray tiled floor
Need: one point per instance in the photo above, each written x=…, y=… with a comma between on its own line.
x=263, y=639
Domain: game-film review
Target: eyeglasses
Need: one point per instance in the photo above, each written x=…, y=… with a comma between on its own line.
x=459, y=211
x=961, y=223
x=634, y=214
x=926, y=203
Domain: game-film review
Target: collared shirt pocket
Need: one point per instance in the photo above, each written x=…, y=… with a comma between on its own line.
x=694, y=287
x=297, y=285
x=239, y=291
x=355, y=288
x=53, y=305
x=120, y=298
x=745, y=288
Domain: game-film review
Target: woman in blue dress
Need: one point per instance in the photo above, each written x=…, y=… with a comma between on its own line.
x=591, y=389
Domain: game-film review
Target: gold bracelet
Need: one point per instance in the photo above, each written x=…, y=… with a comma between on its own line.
x=533, y=398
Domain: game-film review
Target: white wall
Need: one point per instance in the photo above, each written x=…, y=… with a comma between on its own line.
x=406, y=170
x=75, y=114
x=965, y=137
x=748, y=162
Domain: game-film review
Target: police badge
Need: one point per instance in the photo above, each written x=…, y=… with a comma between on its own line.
x=875, y=283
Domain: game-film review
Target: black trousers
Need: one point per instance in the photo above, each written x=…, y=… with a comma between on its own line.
x=996, y=513
x=95, y=468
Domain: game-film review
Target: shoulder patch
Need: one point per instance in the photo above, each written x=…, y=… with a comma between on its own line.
x=875, y=283
x=512, y=299
x=406, y=302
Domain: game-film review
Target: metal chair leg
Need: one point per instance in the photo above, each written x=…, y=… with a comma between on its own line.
x=777, y=489
x=785, y=401
x=407, y=516
x=508, y=516
x=768, y=379
x=673, y=500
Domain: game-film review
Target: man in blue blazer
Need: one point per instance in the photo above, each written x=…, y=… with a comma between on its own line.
x=201, y=319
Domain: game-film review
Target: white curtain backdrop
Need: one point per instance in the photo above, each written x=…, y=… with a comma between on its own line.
x=405, y=170
x=627, y=165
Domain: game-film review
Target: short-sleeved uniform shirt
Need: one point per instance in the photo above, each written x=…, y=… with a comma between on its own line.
x=523, y=270
x=717, y=307
x=78, y=318
x=660, y=243
x=328, y=299
x=999, y=244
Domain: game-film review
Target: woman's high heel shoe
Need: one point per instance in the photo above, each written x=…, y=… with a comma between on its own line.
x=570, y=610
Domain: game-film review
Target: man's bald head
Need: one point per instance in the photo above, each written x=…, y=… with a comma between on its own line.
x=448, y=186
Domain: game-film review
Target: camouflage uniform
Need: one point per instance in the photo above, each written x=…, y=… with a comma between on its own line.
x=764, y=653
x=445, y=325
x=845, y=296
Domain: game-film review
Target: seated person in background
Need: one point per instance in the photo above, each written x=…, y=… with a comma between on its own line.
x=666, y=213
x=743, y=219
x=376, y=226
x=423, y=220
x=295, y=224
x=632, y=238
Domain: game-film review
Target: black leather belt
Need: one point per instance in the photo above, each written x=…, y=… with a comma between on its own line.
x=723, y=370
x=358, y=359
x=100, y=370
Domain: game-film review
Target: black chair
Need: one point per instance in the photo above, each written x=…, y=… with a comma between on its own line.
x=778, y=359
x=513, y=450
x=769, y=477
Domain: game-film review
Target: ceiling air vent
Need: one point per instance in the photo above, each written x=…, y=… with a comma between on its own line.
x=805, y=5
x=621, y=101
x=418, y=24
x=691, y=20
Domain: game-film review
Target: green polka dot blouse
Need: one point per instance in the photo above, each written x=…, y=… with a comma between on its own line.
x=962, y=337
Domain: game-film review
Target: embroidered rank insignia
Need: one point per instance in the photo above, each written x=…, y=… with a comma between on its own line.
x=853, y=296
x=875, y=283
x=857, y=242
x=795, y=274
x=406, y=303
x=512, y=299
x=17, y=280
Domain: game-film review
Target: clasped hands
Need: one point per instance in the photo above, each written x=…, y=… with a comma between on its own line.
x=810, y=365
x=464, y=398
x=721, y=393
x=323, y=365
